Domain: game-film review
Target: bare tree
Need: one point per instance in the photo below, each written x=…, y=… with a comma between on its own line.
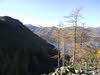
x=74, y=18
x=60, y=35
x=58, y=42
x=62, y=42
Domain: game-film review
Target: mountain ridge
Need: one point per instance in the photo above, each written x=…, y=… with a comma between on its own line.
x=46, y=32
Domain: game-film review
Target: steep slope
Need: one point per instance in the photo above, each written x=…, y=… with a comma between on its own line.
x=43, y=32
x=21, y=51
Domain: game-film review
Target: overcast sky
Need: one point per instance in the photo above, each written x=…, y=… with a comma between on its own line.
x=50, y=12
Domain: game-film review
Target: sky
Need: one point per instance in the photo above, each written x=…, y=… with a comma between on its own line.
x=51, y=12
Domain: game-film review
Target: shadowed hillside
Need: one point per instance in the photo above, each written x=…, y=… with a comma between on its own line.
x=21, y=51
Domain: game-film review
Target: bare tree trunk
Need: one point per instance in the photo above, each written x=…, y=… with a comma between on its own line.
x=63, y=52
x=75, y=33
x=81, y=42
x=58, y=56
x=81, y=45
x=58, y=50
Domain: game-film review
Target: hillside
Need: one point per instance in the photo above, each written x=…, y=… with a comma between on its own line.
x=21, y=51
x=46, y=32
x=43, y=32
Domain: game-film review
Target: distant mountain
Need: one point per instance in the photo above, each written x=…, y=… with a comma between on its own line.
x=95, y=31
x=46, y=32
x=21, y=51
x=31, y=27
